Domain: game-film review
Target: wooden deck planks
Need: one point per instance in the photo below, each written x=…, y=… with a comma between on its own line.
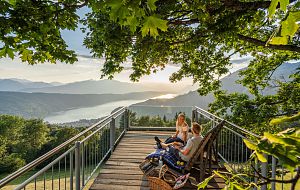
x=121, y=171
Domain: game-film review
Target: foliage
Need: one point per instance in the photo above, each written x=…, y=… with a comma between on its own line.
x=199, y=36
x=32, y=29
x=284, y=146
x=11, y=163
x=278, y=121
x=155, y=121
x=288, y=26
x=22, y=141
x=255, y=112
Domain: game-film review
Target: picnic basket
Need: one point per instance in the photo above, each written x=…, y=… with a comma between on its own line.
x=156, y=183
x=159, y=180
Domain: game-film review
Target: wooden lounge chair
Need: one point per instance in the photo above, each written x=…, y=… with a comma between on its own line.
x=203, y=157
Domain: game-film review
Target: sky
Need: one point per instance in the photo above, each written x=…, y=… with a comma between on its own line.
x=85, y=68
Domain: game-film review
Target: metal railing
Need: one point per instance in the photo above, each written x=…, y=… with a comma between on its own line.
x=233, y=151
x=75, y=161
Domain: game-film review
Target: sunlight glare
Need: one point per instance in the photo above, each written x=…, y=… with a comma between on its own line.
x=165, y=96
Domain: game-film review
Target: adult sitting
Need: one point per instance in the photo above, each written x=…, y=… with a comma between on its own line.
x=184, y=153
x=182, y=129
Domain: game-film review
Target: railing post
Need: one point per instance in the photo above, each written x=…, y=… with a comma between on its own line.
x=194, y=116
x=77, y=165
x=71, y=170
x=264, y=171
x=273, y=186
x=256, y=161
x=83, y=162
x=126, y=120
x=112, y=134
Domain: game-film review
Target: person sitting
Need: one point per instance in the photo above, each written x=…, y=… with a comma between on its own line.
x=182, y=129
x=184, y=153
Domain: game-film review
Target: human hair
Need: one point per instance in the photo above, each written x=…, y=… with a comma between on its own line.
x=197, y=128
x=180, y=115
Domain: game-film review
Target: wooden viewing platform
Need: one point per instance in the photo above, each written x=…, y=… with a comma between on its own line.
x=121, y=171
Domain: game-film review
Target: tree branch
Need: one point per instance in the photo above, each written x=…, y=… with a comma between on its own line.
x=270, y=46
x=240, y=6
x=66, y=5
x=180, y=16
x=184, y=22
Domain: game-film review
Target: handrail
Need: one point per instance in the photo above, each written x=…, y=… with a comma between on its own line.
x=55, y=150
x=232, y=124
x=44, y=169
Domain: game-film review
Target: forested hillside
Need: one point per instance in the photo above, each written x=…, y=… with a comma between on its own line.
x=21, y=140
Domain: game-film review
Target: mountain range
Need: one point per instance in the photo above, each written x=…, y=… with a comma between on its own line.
x=39, y=99
x=88, y=87
x=20, y=84
x=39, y=105
x=229, y=84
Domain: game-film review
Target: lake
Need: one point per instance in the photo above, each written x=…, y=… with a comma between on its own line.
x=89, y=112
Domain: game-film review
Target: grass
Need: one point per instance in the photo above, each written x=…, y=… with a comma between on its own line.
x=287, y=176
x=56, y=181
x=245, y=167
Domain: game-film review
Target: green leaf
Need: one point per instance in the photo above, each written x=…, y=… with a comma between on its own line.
x=289, y=27
x=284, y=4
x=118, y=10
x=250, y=145
x=228, y=168
x=279, y=40
x=12, y=2
x=25, y=55
x=260, y=156
x=288, y=131
x=204, y=183
x=2, y=52
x=133, y=23
x=220, y=175
x=273, y=138
x=10, y=52
x=236, y=186
x=272, y=8
x=151, y=4
x=151, y=24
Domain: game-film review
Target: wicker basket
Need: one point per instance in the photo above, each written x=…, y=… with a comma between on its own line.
x=158, y=184
x=146, y=166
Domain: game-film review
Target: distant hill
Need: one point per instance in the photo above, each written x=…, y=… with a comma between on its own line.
x=107, y=86
x=39, y=105
x=19, y=84
x=192, y=98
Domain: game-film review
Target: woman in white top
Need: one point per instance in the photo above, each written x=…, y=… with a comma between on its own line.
x=182, y=129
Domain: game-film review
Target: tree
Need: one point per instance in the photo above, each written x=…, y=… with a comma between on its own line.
x=10, y=132
x=200, y=36
x=34, y=135
x=165, y=118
